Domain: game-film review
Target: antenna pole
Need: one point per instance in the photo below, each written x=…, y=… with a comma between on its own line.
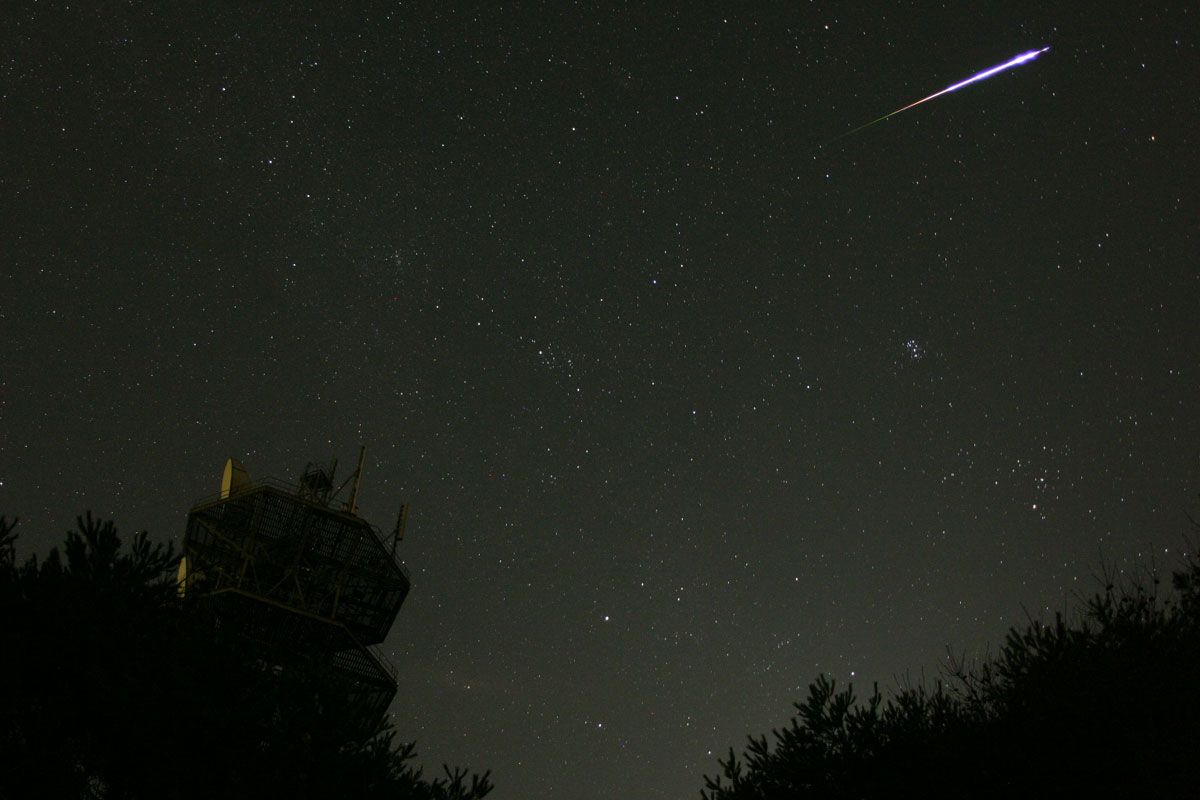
x=401, y=524
x=352, y=506
x=332, y=476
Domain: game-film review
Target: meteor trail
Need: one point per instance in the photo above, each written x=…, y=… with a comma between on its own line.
x=987, y=73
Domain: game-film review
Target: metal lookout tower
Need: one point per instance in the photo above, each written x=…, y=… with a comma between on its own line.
x=299, y=577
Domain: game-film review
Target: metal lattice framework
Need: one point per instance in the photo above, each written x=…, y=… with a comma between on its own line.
x=299, y=580
x=283, y=635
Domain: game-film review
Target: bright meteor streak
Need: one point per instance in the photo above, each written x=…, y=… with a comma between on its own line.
x=987, y=73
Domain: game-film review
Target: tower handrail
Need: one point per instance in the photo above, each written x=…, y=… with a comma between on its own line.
x=295, y=491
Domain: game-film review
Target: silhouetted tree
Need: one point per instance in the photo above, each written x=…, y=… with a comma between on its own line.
x=107, y=690
x=1105, y=705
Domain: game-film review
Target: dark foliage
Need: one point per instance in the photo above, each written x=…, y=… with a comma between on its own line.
x=1106, y=705
x=108, y=690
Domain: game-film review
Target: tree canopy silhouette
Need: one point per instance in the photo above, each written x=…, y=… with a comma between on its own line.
x=1105, y=704
x=108, y=689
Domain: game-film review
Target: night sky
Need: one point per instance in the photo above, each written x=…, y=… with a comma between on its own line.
x=689, y=406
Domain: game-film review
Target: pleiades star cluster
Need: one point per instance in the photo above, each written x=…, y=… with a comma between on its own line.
x=693, y=396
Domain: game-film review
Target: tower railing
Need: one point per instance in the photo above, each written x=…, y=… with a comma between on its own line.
x=297, y=492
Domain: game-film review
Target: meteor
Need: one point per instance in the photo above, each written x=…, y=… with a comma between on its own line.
x=987, y=73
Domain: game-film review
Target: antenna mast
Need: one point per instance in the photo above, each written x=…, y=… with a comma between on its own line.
x=401, y=524
x=352, y=505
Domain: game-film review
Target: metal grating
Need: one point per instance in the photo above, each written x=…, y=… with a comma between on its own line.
x=300, y=583
x=285, y=637
x=306, y=556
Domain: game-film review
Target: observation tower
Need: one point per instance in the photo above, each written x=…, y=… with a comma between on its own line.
x=299, y=577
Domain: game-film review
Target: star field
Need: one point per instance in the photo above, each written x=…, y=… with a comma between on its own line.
x=689, y=405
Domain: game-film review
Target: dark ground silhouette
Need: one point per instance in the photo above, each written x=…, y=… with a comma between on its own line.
x=109, y=689
x=1104, y=705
